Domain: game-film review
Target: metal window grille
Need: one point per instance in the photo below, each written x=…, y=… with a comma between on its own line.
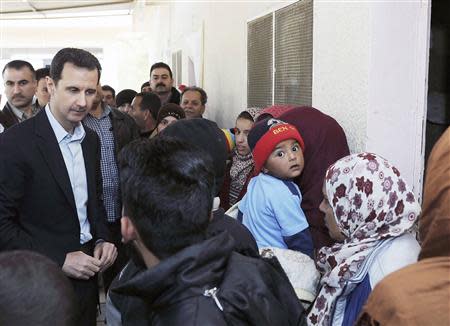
x=260, y=64
x=289, y=61
x=293, y=54
x=177, y=67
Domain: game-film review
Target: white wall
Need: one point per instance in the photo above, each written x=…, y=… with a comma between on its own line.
x=341, y=54
x=223, y=25
x=124, y=51
x=370, y=74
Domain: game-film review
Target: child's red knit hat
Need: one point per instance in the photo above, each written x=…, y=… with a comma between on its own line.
x=266, y=135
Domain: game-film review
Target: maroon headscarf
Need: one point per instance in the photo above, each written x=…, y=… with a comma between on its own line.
x=274, y=111
x=325, y=143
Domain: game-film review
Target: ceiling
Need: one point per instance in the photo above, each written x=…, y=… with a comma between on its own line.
x=35, y=9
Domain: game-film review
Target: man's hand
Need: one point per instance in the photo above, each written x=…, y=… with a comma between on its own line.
x=81, y=266
x=106, y=252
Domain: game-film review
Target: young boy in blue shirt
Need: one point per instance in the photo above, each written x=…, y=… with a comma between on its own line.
x=271, y=207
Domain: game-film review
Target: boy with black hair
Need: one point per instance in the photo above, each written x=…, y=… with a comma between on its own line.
x=208, y=137
x=271, y=207
x=34, y=291
x=168, y=191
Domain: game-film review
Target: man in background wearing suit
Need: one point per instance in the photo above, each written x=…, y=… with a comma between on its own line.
x=20, y=83
x=50, y=182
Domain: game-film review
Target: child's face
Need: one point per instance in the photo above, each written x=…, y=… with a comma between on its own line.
x=286, y=161
x=242, y=129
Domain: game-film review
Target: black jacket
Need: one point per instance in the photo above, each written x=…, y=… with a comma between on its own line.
x=132, y=307
x=247, y=291
x=244, y=242
x=175, y=96
x=7, y=117
x=125, y=129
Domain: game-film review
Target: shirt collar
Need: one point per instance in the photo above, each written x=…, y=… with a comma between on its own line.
x=106, y=111
x=60, y=132
x=18, y=113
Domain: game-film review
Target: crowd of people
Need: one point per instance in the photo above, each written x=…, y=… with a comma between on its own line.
x=270, y=222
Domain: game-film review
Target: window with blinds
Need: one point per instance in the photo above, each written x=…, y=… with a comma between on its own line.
x=177, y=67
x=289, y=62
x=260, y=64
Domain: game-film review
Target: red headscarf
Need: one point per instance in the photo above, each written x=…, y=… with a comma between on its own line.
x=274, y=111
x=325, y=143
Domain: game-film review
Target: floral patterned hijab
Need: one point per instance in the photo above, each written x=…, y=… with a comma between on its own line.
x=371, y=203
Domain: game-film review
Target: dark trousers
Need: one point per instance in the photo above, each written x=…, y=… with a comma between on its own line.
x=86, y=293
x=122, y=256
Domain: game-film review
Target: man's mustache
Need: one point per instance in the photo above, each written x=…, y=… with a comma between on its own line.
x=160, y=84
x=18, y=96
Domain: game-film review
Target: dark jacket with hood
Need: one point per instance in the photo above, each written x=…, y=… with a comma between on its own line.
x=175, y=96
x=210, y=284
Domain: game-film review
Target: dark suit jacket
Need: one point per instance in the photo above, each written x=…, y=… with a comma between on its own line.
x=37, y=206
x=7, y=117
x=125, y=129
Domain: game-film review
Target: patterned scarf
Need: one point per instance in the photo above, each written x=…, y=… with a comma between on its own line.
x=370, y=202
x=241, y=166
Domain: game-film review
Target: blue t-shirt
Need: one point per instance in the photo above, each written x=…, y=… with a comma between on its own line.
x=271, y=210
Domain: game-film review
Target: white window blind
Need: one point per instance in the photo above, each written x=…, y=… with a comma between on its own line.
x=287, y=56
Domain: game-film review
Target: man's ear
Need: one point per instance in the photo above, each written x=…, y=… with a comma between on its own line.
x=128, y=230
x=50, y=85
x=147, y=114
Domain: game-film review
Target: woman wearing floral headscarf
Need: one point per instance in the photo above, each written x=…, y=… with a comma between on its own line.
x=369, y=210
x=419, y=294
x=240, y=169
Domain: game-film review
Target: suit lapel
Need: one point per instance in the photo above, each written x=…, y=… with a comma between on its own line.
x=11, y=118
x=49, y=148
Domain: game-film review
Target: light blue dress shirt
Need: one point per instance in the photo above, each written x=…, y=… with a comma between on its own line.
x=72, y=152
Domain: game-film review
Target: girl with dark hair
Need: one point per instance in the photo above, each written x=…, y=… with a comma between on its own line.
x=240, y=169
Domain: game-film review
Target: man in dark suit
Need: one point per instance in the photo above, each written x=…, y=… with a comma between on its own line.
x=50, y=182
x=19, y=78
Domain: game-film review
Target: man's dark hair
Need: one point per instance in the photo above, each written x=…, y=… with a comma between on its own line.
x=78, y=57
x=109, y=88
x=203, y=95
x=167, y=192
x=34, y=291
x=125, y=96
x=151, y=102
x=146, y=84
x=19, y=64
x=42, y=73
x=206, y=136
x=161, y=65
